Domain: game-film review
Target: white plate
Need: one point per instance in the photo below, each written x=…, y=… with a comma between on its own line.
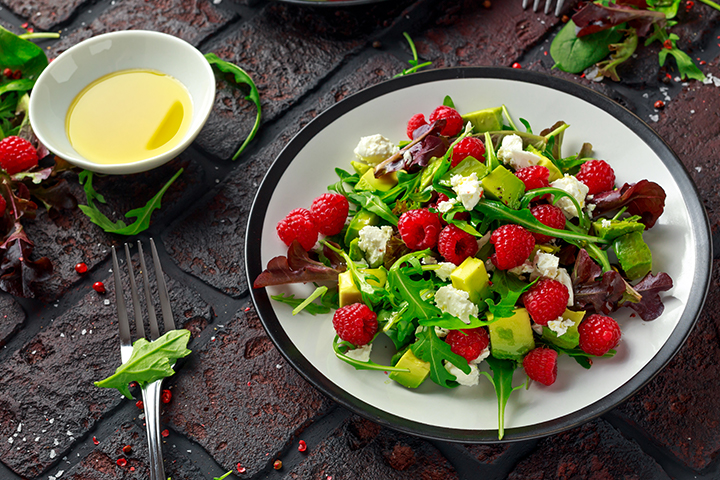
x=680, y=243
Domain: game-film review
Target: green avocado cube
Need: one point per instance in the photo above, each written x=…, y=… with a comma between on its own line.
x=569, y=339
x=511, y=338
x=465, y=168
x=633, y=254
x=501, y=184
x=612, y=229
x=360, y=167
x=485, y=120
x=349, y=292
x=369, y=182
x=471, y=276
x=363, y=218
x=419, y=370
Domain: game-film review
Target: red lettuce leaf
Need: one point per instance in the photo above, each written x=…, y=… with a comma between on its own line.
x=18, y=273
x=644, y=198
x=601, y=295
x=651, y=306
x=593, y=18
x=397, y=162
x=297, y=267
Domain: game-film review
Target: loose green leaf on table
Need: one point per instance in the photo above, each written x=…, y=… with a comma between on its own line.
x=241, y=78
x=142, y=214
x=149, y=361
x=415, y=61
x=572, y=54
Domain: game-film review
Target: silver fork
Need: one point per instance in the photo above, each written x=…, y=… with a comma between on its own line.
x=150, y=393
x=548, y=6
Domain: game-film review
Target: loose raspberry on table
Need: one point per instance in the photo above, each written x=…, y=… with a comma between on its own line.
x=455, y=245
x=549, y=215
x=454, y=121
x=355, y=323
x=468, y=343
x=419, y=228
x=417, y=121
x=535, y=176
x=513, y=245
x=599, y=334
x=298, y=225
x=598, y=175
x=541, y=365
x=329, y=212
x=468, y=147
x=546, y=300
x=17, y=155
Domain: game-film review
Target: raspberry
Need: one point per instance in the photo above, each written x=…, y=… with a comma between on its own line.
x=469, y=343
x=456, y=245
x=454, y=120
x=419, y=229
x=598, y=334
x=513, y=245
x=17, y=155
x=298, y=225
x=329, y=212
x=355, y=323
x=541, y=365
x=549, y=215
x=598, y=175
x=535, y=176
x=468, y=147
x=417, y=121
x=546, y=300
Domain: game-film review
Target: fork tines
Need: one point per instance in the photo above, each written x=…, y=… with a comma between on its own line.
x=548, y=6
x=163, y=296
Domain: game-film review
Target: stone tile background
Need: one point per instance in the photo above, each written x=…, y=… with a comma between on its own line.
x=237, y=405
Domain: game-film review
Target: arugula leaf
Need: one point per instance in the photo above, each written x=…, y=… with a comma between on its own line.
x=621, y=52
x=686, y=66
x=573, y=54
x=142, y=214
x=149, y=361
x=502, y=382
x=341, y=348
x=510, y=288
x=311, y=308
x=430, y=348
x=452, y=323
x=410, y=291
x=414, y=62
x=448, y=102
x=373, y=203
x=241, y=77
x=223, y=477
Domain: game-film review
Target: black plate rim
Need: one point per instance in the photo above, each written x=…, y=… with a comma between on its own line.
x=699, y=224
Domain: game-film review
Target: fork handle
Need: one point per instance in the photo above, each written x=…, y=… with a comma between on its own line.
x=151, y=401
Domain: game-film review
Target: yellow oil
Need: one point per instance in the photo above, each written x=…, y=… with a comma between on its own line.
x=128, y=116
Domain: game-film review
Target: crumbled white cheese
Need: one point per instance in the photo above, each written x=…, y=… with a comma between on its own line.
x=511, y=153
x=560, y=325
x=574, y=187
x=429, y=260
x=372, y=241
x=441, y=332
x=446, y=205
x=468, y=189
x=374, y=149
x=455, y=302
x=605, y=223
x=526, y=267
x=468, y=380
x=361, y=354
x=446, y=268
x=483, y=355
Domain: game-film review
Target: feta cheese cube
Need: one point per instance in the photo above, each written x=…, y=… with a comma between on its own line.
x=372, y=241
x=468, y=380
x=455, y=302
x=361, y=354
x=511, y=153
x=574, y=187
x=468, y=189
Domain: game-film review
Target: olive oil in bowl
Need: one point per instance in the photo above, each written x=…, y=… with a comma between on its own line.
x=128, y=116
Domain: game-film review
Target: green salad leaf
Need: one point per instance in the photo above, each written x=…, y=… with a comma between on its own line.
x=149, y=361
x=415, y=64
x=502, y=381
x=430, y=348
x=574, y=54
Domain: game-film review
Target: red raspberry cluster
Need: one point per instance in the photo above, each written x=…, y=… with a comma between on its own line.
x=17, y=155
x=327, y=215
x=453, y=121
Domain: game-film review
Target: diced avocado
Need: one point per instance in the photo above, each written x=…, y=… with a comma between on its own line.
x=472, y=277
x=355, y=251
x=426, y=177
x=486, y=120
x=501, y=184
x=360, y=167
x=349, y=292
x=570, y=338
x=361, y=219
x=633, y=254
x=371, y=183
x=511, y=337
x=465, y=169
x=612, y=229
x=555, y=173
x=419, y=370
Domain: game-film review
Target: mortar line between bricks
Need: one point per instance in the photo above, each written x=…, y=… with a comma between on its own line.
x=244, y=15
x=466, y=467
x=7, y=474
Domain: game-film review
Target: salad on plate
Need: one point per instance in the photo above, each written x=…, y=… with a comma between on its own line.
x=477, y=248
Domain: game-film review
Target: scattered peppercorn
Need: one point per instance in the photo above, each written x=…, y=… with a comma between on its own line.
x=99, y=287
x=127, y=449
x=81, y=268
x=564, y=19
x=516, y=65
x=17, y=75
x=95, y=441
x=139, y=404
x=377, y=44
x=166, y=396
x=659, y=104
x=487, y=4
x=121, y=462
x=277, y=465
x=8, y=73
x=165, y=433
x=302, y=446
x=241, y=469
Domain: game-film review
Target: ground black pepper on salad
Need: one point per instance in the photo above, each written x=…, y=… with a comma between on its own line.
x=474, y=241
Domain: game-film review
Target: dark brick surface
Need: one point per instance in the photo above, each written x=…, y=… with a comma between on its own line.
x=47, y=396
x=360, y=449
x=12, y=317
x=594, y=451
x=239, y=399
x=209, y=242
x=44, y=14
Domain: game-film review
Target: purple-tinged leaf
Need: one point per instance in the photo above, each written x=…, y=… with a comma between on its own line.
x=644, y=198
x=586, y=270
x=593, y=18
x=397, y=161
x=18, y=274
x=651, y=306
x=421, y=153
x=297, y=267
x=602, y=296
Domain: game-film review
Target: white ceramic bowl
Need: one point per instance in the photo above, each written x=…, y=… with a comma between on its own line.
x=77, y=67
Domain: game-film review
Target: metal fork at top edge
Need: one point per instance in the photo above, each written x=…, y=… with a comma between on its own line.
x=151, y=392
x=548, y=6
